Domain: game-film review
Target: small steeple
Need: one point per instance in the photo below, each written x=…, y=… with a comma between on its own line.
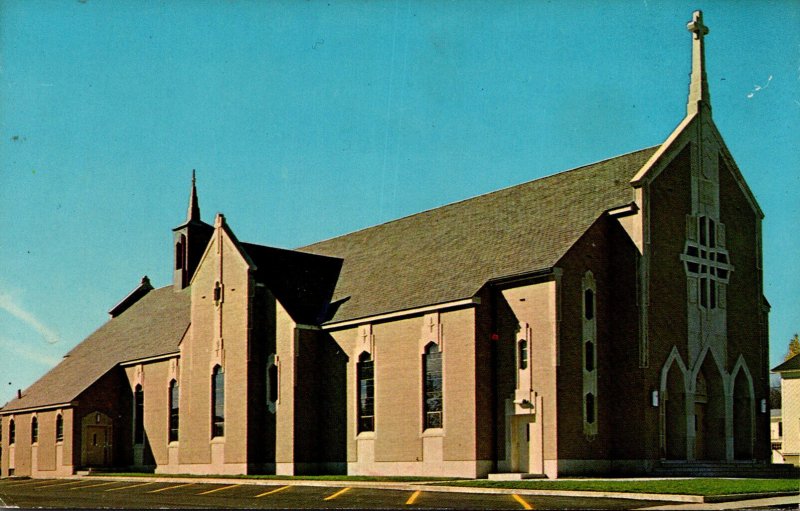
x=193, y=214
x=190, y=240
x=698, y=88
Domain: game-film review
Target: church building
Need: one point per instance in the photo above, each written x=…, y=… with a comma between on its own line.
x=605, y=319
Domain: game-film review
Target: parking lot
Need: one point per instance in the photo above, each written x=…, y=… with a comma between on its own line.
x=141, y=493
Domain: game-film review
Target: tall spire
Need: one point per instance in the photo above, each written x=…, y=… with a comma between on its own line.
x=194, y=205
x=698, y=88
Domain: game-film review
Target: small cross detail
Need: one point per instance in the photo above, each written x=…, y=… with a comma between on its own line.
x=696, y=26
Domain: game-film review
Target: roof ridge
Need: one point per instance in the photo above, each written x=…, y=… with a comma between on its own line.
x=460, y=201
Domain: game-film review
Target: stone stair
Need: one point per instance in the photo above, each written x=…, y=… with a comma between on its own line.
x=725, y=469
x=514, y=476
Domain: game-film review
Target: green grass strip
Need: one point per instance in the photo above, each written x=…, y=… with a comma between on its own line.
x=696, y=486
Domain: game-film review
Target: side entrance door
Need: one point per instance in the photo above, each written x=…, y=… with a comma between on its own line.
x=96, y=440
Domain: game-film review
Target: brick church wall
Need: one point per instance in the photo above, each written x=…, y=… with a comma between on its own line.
x=595, y=252
x=746, y=323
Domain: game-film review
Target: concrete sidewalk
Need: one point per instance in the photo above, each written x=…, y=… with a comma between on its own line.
x=791, y=502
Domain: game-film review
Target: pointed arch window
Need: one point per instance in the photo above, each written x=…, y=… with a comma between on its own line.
x=34, y=430
x=522, y=348
x=138, y=415
x=59, y=428
x=180, y=252
x=217, y=402
x=433, y=399
x=366, y=392
x=174, y=410
x=273, y=382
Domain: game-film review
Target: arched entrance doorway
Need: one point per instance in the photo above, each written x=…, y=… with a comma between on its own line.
x=709, y=412
x=96, y=435
x=675, y=414
x=742, y=417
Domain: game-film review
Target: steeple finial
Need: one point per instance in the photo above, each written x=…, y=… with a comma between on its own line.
x=698, y=88
x=194, y=204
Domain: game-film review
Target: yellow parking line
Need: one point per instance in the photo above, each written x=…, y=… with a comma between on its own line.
x=24, y=481
x=272, y=491
x=171, y=487
x=219, y=489
x=331, y=497
x=59, y=484
x=94, y=485
x=413, y=497
x=131, y=486
x=522, y=502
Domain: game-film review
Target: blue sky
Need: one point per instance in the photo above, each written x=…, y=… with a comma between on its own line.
x=306, y=120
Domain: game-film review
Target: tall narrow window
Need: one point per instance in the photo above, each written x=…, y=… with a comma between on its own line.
x=59, y=428
x=590, y=408
x=523, y=353
x=34, y=430
x=588, y=304
x=12, y=432
x=432, y=369
x=366, y=393
x=174, y=415
x=138, y=415
x=217, y=402
x=179, y=252
x=589, y=355
x=273, y=381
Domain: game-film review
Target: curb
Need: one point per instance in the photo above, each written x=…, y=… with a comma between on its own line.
x=713, y=499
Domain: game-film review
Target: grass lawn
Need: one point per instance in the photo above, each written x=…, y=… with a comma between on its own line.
x=698, y=486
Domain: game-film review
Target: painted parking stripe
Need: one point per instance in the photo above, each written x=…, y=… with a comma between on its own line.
x=219, y=489
x=522, y=502
x=413, y=497
x=94, y=485
x=60, y=484
x=171, y=487
x=272, y=491
x=131, y=486
x=25, y=481
x=331, y=497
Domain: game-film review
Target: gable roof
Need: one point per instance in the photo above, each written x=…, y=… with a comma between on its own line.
x=302, y=282
x=150, y=327
x=449, y=253
x=793, y=364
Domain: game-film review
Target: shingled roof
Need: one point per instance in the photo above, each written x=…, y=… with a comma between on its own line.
x=150, y=327
x=433, y=257
x=449, y=253
x=793, y=364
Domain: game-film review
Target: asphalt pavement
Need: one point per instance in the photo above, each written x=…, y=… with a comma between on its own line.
x=143, y=493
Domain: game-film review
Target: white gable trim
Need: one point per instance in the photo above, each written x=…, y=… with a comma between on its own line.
x=644, y=172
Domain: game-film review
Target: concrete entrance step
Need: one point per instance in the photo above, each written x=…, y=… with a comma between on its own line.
x=515, y=476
